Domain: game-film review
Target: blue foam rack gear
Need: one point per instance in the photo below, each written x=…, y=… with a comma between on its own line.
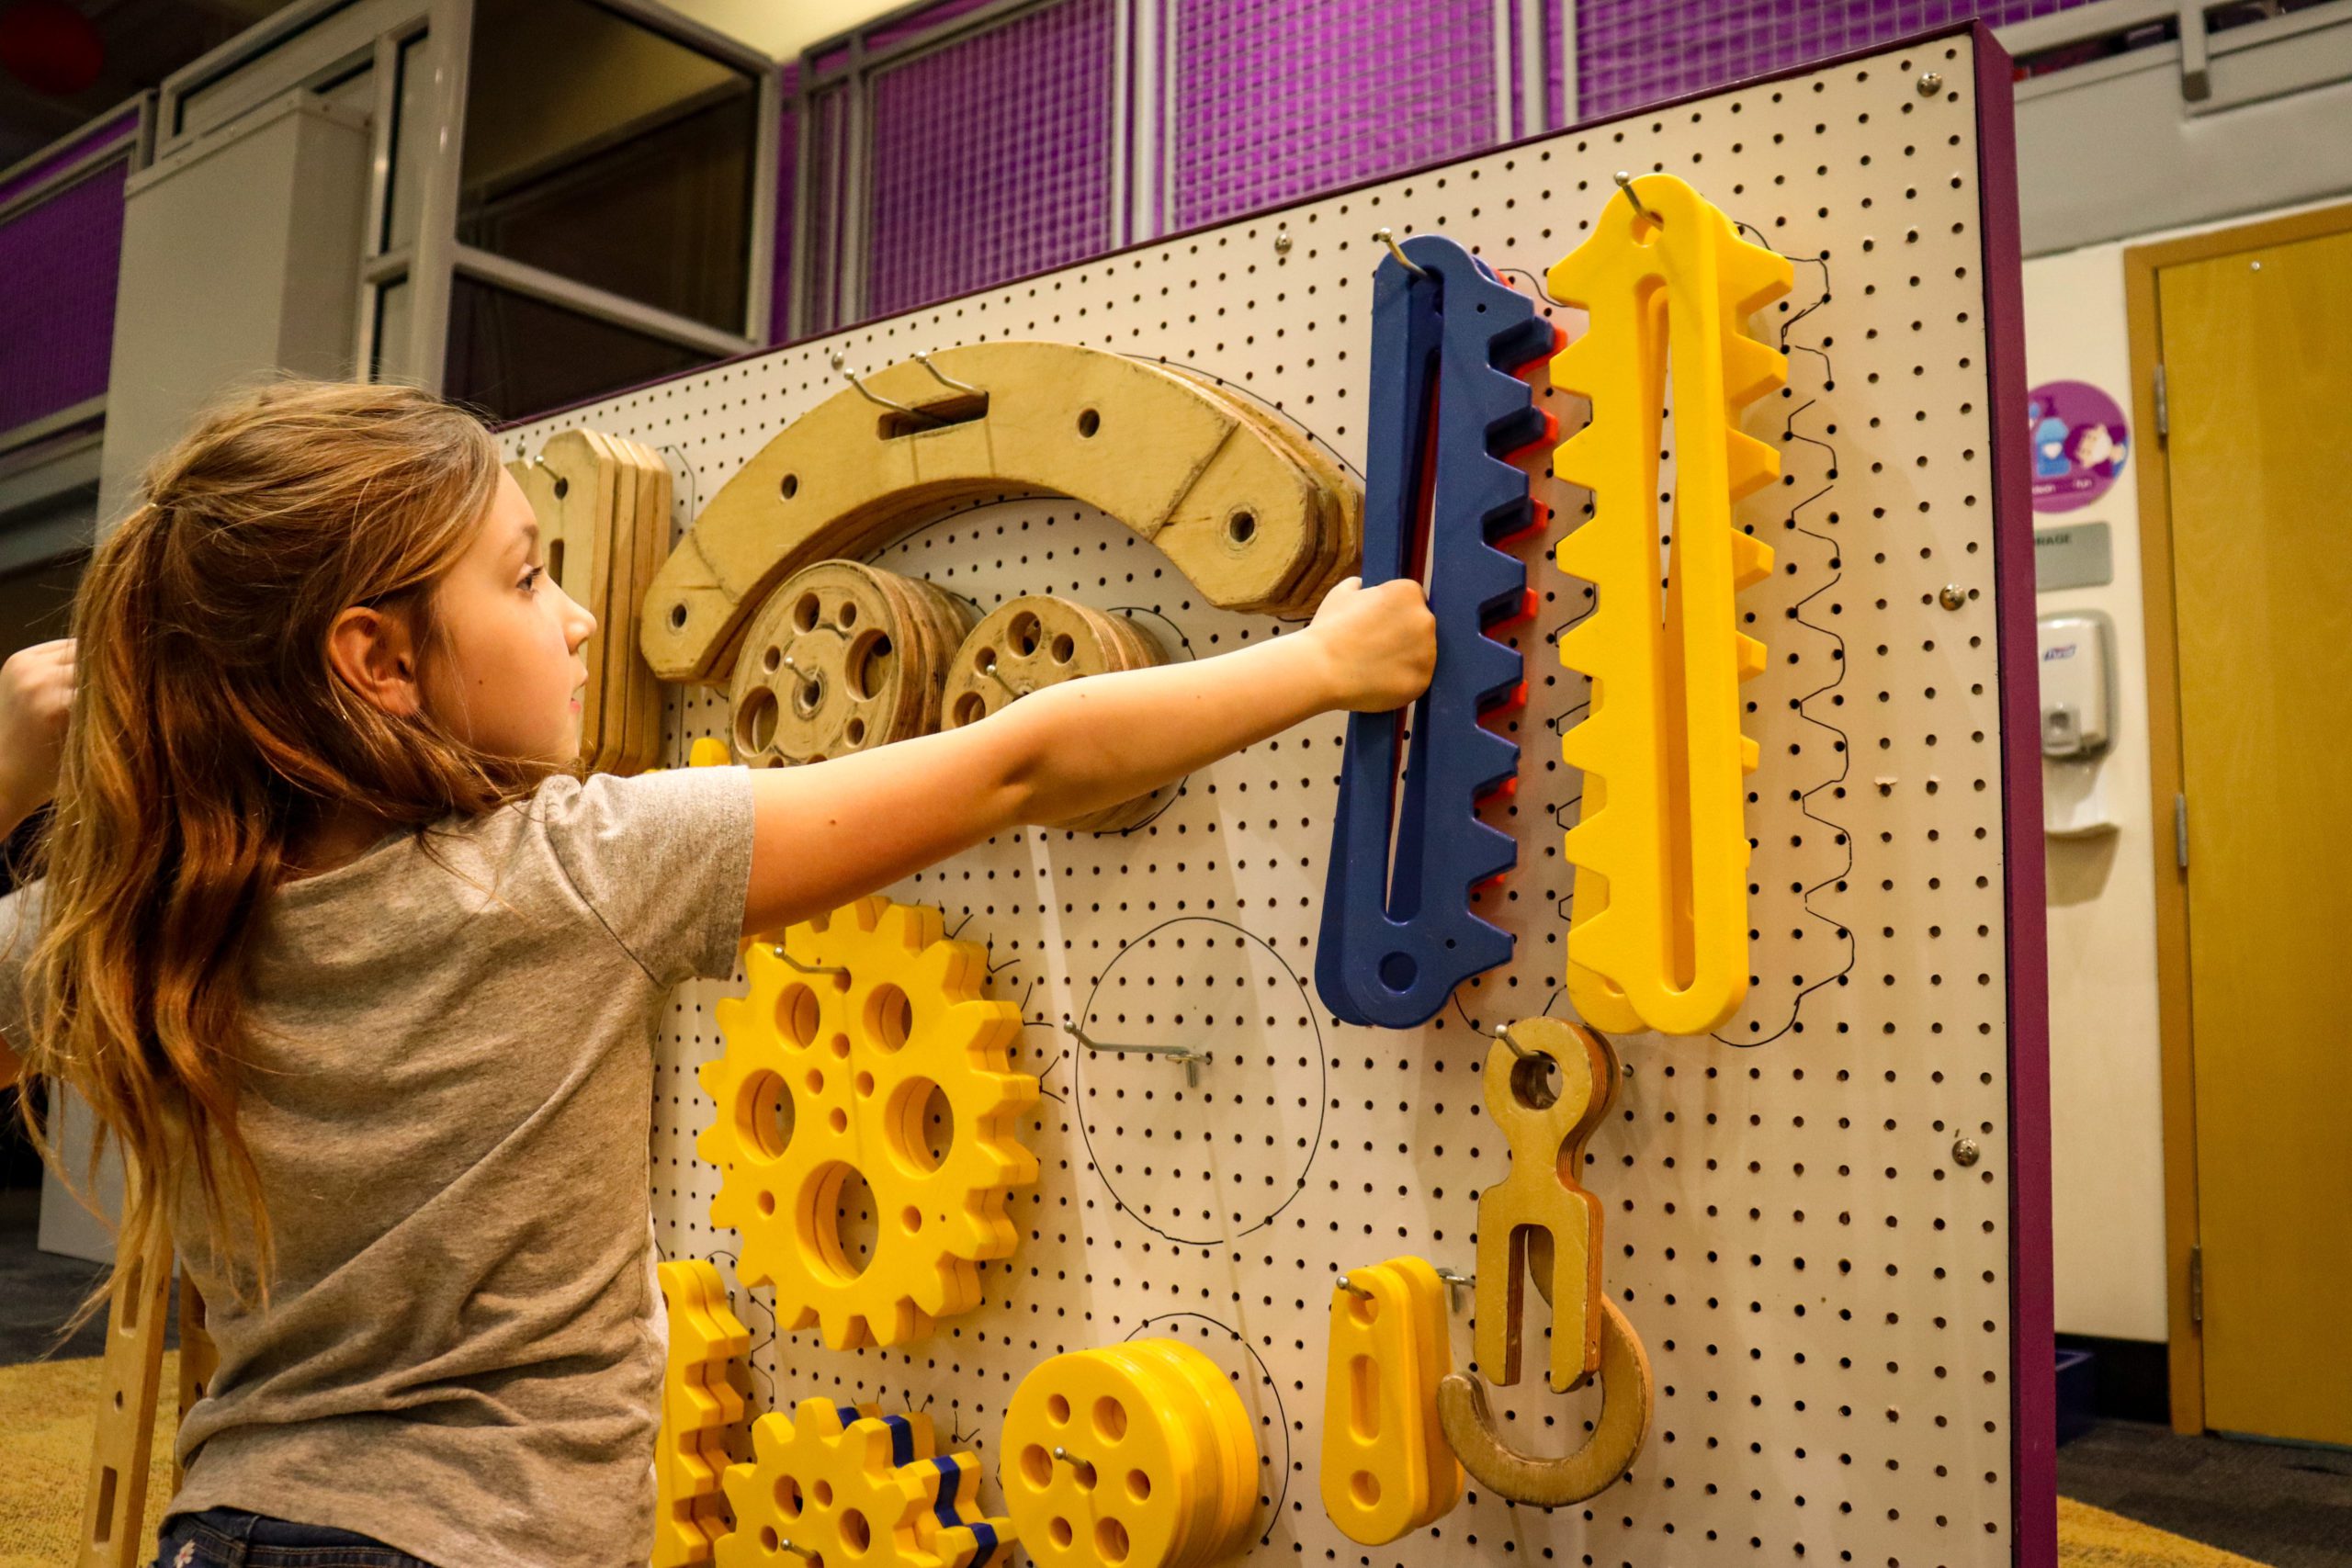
x=1446, y=413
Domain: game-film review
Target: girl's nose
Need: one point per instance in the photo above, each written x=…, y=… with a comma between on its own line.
x=579, y=624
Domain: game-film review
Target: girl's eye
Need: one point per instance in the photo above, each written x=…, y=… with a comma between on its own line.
x=531, y=578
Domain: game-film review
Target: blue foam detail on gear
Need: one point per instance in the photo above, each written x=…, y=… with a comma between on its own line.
x=903, y=1432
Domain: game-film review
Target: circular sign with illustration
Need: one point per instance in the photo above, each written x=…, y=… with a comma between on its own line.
x=2078, y=443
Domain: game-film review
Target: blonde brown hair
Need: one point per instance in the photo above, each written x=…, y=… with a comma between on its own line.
x=209, y=739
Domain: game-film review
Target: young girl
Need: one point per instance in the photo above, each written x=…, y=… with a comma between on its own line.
x=363, y=978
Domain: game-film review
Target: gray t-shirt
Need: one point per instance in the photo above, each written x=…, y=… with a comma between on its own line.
x=452, y=1115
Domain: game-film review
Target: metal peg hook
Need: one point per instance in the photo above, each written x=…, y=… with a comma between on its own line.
x=791, y=962
x=1389, y=239
x=944, y=380
x=841, y=363
x=796, y=1549
x=1626, y=183
x=1503, y=1033
x=991, y=675
x=1455, y=1283
x=1193, y=1060
x=1349, y=1285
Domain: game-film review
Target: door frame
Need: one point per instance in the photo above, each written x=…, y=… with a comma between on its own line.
x=2141, y=263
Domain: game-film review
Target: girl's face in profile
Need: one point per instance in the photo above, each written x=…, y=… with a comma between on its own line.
x=508, y=678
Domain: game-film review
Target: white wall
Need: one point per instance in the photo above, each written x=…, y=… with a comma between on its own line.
x=2107, y=1136
x=2107, y=1148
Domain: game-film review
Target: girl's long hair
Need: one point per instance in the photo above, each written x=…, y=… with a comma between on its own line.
x=209, y=738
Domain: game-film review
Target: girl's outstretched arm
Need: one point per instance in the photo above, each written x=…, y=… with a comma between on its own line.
x=835, y=831
x=36, y=693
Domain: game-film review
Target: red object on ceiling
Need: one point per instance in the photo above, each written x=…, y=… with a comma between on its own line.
x=50, y=47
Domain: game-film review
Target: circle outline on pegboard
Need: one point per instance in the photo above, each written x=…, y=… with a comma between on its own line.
x=1322, y=1094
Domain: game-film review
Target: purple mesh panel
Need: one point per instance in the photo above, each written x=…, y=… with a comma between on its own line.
x=1631, y=52
x=57, y=312
x=89, y=140
x=991, y=157
x=787, y=161
x=1278, y=100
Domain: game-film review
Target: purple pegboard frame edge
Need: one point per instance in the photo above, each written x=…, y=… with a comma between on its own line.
x=2033, y=1375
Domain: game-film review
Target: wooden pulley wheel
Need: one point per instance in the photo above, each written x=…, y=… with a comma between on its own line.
x=841, y=658
x=1037, y=641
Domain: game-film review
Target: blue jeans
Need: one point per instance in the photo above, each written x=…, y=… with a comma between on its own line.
x=230, y=1538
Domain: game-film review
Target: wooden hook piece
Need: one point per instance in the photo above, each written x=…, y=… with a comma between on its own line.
x=1549, y=1083
x=1627, y=1398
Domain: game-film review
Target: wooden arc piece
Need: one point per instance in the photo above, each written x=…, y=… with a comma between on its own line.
x=1177, y=462
x=841, y=658
x=1628, y=1397
x=1343, y=509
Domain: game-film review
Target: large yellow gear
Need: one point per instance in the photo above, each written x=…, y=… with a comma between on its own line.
x=832, y=1486
x=828, y=1071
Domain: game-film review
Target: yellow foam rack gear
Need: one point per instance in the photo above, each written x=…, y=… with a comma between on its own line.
x=699, y=1405
x=851, y=1025
x=835, y=1485
x=1658, y=940
x=1386, y=1470
x=1138, y=1455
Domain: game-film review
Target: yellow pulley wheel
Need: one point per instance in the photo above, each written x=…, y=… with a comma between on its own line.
x=1131, y=1456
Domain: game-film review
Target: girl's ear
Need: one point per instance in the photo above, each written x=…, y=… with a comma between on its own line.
x=371, y=652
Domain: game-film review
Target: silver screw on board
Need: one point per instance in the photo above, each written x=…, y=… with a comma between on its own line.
x=1964, y=1151
x=1281, y=242
x=1930, y=83
x=1952, y=597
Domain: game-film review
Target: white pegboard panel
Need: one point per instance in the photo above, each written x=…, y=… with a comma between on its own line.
x=1824, y=1292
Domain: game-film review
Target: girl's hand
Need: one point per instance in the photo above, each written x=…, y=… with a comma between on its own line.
x=36, y=693
x=1381, y=643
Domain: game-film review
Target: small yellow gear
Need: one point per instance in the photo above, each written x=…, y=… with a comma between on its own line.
x=832, y=1062
x=825, y=1491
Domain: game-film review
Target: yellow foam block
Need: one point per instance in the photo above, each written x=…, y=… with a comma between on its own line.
x=1659, y=939
x=1386, y=1470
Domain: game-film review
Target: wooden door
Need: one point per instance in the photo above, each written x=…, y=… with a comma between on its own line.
x=2259, y=378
